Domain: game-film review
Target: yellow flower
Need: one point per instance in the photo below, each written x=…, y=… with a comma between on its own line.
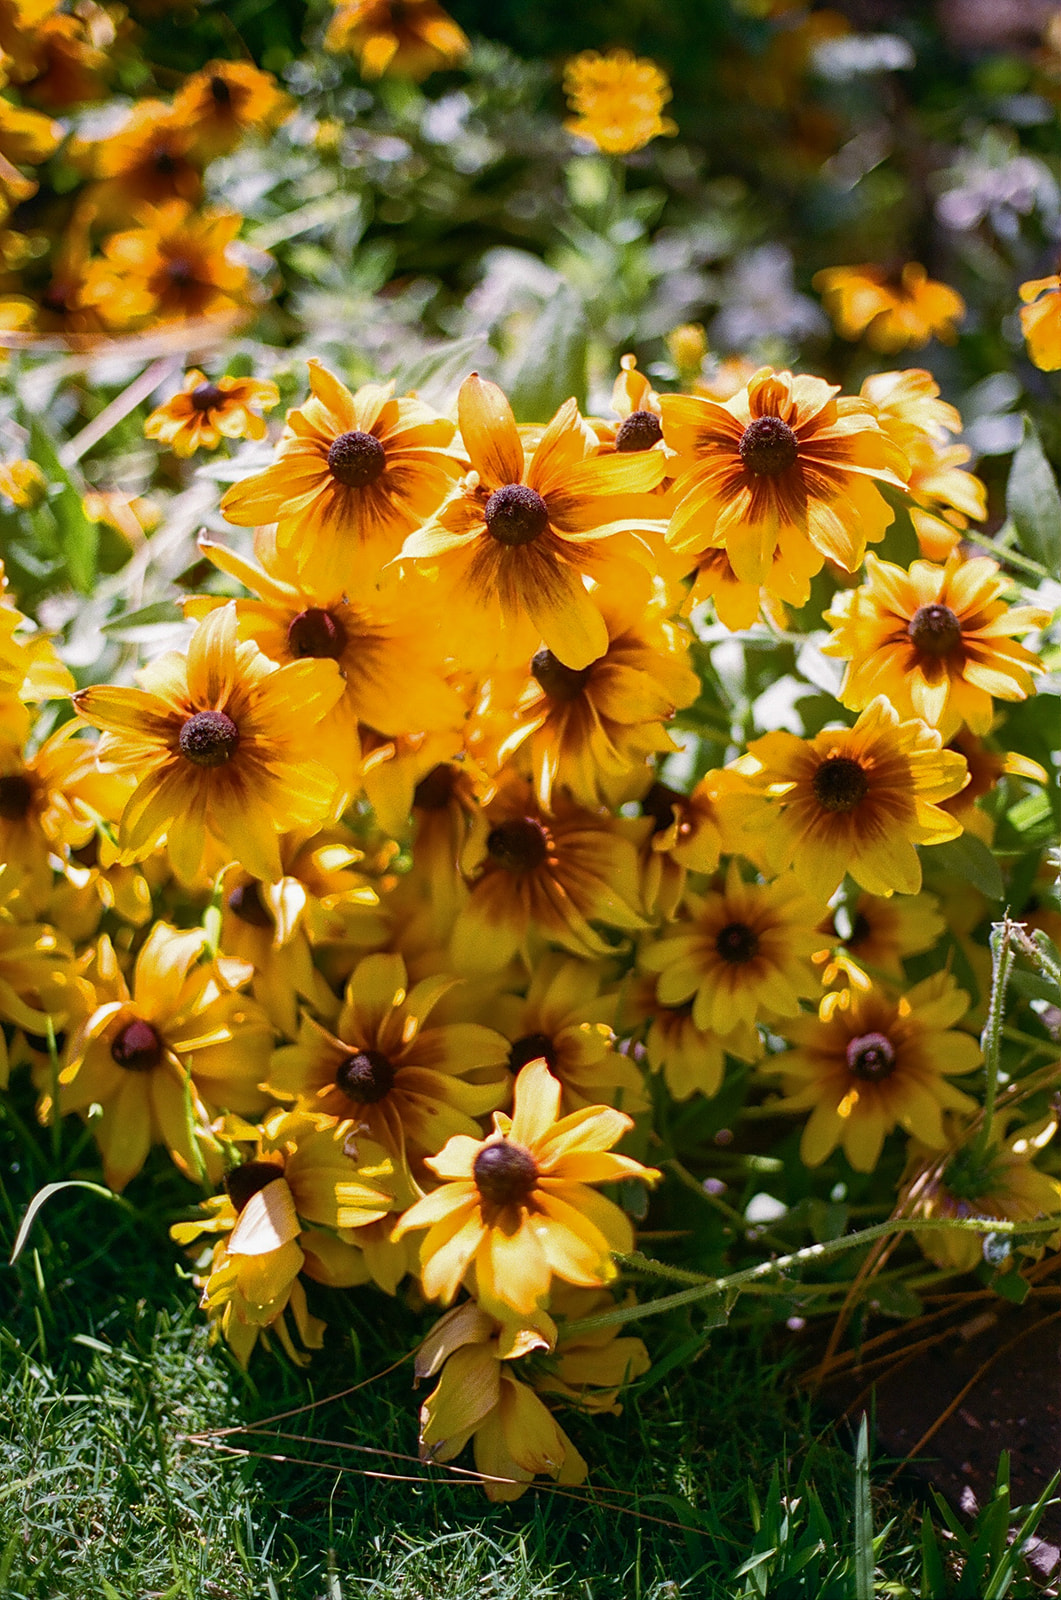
x=147, y=161
x=1040, y=321
x=404, y=38
x=224, y=101
x=176, y=264
x=517, y=1207
x=892, y=310
x=853, y=800
x=690, y=1059
x=35, y=976
x=355, y=473
x=937, y=642
x=299, y=1204
x=742, y=953
x=690, y=832
x=876, y=1062
x=22, y=482
x=163, y=1056
x=513, y=544
x=544, y=878
x=878, y=935
x=204, y=411
x=565, y=1021
x=411, y=1085
x=986, y=766
x=617, y=99
x=219, y=741
x=39, y=814
x=783, y=454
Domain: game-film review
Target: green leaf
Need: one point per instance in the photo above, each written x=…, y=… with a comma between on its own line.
x=969, y=858
x=45, y=1194
x=78, y=537
x=863, y=1517
x=435, y=376
x=553, y=363
x=1033, y=502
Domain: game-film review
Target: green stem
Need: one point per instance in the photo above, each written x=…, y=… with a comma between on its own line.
x=1003, y=553
x=1002, y=954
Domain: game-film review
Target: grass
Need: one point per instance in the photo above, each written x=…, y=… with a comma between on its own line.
x=722, y=1480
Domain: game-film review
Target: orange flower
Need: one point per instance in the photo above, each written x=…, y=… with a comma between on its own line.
x=893, y=310
x=513, y=544
x=355, y=473
x=226, y=100
x=405, y=38
x=783, y=456
x=936, y=641
x=1040, y=321
x=617, y=100
x=205, y=411
x=147, y=161
x=517, y=1207
x=177, y=263
x=220, y=742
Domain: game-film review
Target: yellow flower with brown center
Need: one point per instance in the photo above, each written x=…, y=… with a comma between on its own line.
x=617, y=99
x=355, y=473
x=986, y=766
x=205, y=410
x=877, y=1062
x=163, y=1056
x=890, y=310
x=565, y=1021
x=386, y=646
x=35, y=962
x=514, y=543
x=741, y=953
x=855, y=800
x=544, y=879
x=691, y=1060
x=39, y=815
x=70, y=59
x=592, y=731
x=226, y=100
x=297, y=1205
x=402, y=38
x=412, y=1085
x=938, y=642
x=783, y=454
x=690, y=832
x=1040, y=320
x=219, y=740
x=147, y=161
x=878, y=935
x=517, y=1208
x=174, y=266
x=738, y=604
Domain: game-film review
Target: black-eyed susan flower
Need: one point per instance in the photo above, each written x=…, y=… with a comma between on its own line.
x=877, y=1062
x=878, y=934
x=206, y=410
x=400, y=38
x=987, y=764
x=545, y=878
x=1040, y=320
x=220, y=742
x=226, y=100
x=294, y=1207
x=147, y=161
x=782, y=454
x=691, y=1060
x=514, y=543
x=938, y=642
x=412, y=1084
x=355, y=472
x=176, y=264
x=517, y=1208
x=741, y=953
x=39, y=815
x=162, y=1055
x=566, y=1021
x=890, y=310
x=856, y=800
x=617, y=100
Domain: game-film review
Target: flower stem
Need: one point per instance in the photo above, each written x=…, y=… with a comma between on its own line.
x=1002, y=954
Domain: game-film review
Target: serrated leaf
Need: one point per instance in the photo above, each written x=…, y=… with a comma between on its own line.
x=1033, y=502
x=552, y=366
x=969, y=858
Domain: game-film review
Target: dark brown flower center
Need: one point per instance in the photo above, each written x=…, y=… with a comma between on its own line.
x=16, y=796
x=356, y=459
x=659, y=804
x=245, y=902
x=137, y=1047
x=737, y=943
x=435, y=792
x=220, y=90
x=559, y=682
x=640, y=431
x=209, y=739
x=935, y=630
x=365, y=1077
x=316, y=633
x=164, y=162
x=207, y=397
x=519, y=845
x=505, y=1173
x=516, y=514
x=768, y=447
x=532, y=1047
x=180, y=271
x=860, y=931
x=243, y=1183
x=840, y=784
x=871, y=1057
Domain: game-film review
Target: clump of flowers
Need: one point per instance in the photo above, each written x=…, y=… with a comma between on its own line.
x=617, y=100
